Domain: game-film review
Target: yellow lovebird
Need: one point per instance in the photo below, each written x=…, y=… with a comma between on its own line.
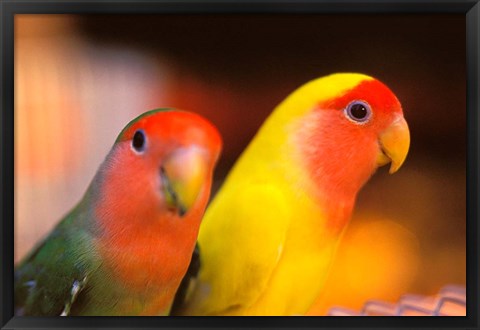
x=269, y=236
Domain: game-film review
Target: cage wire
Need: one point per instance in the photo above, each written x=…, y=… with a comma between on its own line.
x=450, y=301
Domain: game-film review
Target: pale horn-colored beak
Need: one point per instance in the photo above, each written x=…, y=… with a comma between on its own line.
x=394, y=144
x=183, y=176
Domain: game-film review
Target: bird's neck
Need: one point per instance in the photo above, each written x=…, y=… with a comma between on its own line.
x=140, y=245
x=327, y=195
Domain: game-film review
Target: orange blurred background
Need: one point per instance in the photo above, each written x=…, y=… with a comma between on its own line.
x=80, y=79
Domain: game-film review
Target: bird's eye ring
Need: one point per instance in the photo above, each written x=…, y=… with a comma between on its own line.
x=358, y=112
x=138, y=141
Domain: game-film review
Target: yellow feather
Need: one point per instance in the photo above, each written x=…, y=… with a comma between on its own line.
x=264, y=250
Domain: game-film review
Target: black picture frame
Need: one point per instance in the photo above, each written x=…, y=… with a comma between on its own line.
x=470, y=8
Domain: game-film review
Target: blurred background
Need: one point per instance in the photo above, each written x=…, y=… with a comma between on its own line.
x=80, y=79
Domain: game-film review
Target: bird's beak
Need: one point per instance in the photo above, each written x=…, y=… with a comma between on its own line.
x=394, y=144
x=183, y=175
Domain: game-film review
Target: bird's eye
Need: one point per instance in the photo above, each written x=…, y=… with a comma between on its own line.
x=358, y=111
x=138, y=141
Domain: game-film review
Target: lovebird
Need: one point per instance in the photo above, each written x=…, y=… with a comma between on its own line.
x=125, y=247
x=269, y=235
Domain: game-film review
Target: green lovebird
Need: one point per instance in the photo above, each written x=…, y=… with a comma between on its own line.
x=125, y=247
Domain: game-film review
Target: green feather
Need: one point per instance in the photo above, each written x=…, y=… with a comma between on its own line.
x=44, y=279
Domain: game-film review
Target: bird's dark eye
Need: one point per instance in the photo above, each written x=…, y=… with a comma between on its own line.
x=358, y=111
x=138, y=141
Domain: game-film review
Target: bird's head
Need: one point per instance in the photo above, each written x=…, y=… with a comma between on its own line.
x=161, y=163
x=351, y=125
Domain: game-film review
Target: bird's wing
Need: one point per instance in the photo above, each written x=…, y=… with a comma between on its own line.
x=241, y=241
x=51, y=278
x=188, y=282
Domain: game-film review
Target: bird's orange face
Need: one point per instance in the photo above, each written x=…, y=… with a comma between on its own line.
x=160, y=168
x=352, y=134
x=168, y=155
x=151, y=193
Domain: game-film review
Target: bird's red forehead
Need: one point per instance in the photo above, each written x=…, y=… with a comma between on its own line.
x=375, y=93
x=181, y=126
